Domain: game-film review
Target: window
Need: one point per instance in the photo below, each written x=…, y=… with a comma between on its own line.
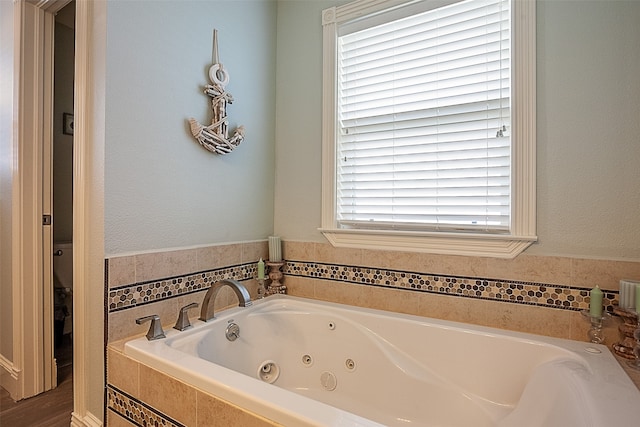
x=429, y=126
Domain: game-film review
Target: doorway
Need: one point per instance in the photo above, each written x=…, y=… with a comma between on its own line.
x=62, y=189
x=27, y=363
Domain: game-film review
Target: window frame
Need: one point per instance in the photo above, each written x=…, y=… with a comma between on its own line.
x=523, y=149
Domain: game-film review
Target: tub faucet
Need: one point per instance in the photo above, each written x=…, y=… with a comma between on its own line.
x=183, y=318
x=244, y=300
x=155, y=329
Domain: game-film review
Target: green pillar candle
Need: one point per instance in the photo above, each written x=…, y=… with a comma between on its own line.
x=261, y=269
x=595, y=304
x=638, y=298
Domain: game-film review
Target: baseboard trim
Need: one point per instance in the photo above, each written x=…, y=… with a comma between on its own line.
x=9, y=377
x=88, y=420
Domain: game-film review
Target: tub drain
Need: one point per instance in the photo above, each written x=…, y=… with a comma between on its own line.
x=268, y=371
x=328, y=380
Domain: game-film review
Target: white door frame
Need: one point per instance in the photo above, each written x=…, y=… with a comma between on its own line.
x=31, y=25
x=32, y=59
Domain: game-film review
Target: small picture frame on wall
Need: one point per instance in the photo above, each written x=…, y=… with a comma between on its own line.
x=67, y=123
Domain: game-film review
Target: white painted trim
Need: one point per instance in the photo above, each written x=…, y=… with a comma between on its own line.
x=48, y=362
x=523, y=15
x=523, y=226
x=81, y=72
x=495, y=246
x=33, y=92
x=9, y=377
x=16, y=208
x=88, y=420
x=27, y=214
x=88, y=213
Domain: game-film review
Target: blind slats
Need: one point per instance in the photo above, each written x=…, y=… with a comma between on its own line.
x=424, y=120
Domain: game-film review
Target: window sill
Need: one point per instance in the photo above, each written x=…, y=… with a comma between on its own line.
x=495, y=246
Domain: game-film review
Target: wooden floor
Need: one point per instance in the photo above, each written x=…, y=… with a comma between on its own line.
x=50, y=409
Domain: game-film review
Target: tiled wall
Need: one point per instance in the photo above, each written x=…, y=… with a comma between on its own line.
x=536, y=294
x=163, y=282
x=141, y=396
x=542, y=295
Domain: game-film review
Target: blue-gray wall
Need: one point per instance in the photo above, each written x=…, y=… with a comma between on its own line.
x=162, y=190
x=588, y=126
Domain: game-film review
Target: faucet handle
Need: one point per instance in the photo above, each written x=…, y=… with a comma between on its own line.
x=183, y=319
x=155, y=329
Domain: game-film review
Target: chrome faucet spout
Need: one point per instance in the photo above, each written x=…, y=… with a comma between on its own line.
x=244, y=300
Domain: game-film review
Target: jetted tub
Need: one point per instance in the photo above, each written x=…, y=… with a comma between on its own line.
x=308, y=363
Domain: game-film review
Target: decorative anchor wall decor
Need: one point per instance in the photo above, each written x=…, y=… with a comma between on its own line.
x=215, y=137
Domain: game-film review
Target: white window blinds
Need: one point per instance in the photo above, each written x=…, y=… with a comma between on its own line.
x=424, y=121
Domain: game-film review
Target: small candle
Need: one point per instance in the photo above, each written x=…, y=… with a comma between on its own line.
x=638, y=298
x=275, y=249
x=595, y=304
x=261, y=269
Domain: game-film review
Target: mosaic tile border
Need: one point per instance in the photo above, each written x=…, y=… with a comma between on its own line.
x=137, y=294
x=510, y=291
x=135, y=411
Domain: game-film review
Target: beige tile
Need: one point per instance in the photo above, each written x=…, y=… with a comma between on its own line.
x=219, y=256
x=122, y=372
x=530, y=319
x=299, y=251
x=465, y=310
x=168, y=395
x=394, y=300
x=229, y=254
x=426, y=263
x=253, y=251
x=207, y=258
x=453, y=265
x=300, y=286
x=392, y=260
x=115, y=420
x=344, y=256
x=182, y=262
x=213, y=412
x=604, y=273
x=150, y=266
x=531, y=268
x=445, y=307
x=343, y=293
x=122, y=271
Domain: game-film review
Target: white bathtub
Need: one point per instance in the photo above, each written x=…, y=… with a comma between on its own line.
x=347, y=366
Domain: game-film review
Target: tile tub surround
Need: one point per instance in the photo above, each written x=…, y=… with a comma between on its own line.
x=139, y=395
x=528, y=294
x=536, y=294
x=163, y=282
